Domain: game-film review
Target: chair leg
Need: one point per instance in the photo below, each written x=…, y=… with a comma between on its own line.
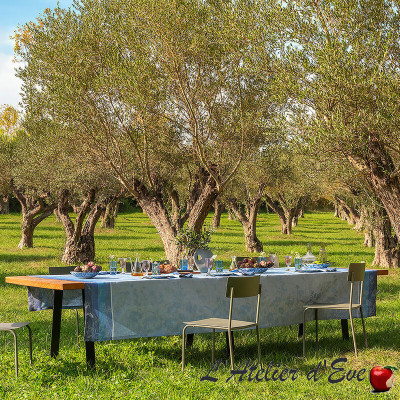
x=77, y=325
x=352, y=332
x=259, y=347
x=183, y=347
x=213, y=347
x=363, y=324
x=230, y=346
x=30, y=343
x=304, y=333
x=316, y=326
x=15, y=352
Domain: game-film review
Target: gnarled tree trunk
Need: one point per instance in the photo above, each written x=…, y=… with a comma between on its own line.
x=285, y=213
x=218, y=209
x=34, y=211
x=247, y=216
x=110, y=213
x=79, y=246
x=168, y=222
x=4, y=204
x=381, y=172
x=386, y=249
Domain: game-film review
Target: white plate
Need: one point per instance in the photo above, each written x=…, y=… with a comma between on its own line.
x=222, y=273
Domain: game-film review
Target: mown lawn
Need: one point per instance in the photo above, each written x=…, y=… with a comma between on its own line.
x=150, y=368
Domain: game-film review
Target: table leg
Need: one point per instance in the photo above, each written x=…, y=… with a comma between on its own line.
x=89, y=346
x=189, y=339
x=345, y=329
x=56, y=324
x=300, y=331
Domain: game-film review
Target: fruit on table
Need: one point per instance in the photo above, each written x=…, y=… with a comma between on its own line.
x=381, y=378
x=89, y=267
x=167, y=268
x=252, y=263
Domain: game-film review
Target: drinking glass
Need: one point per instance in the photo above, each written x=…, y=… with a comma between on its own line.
x=219, y=266
x=209, y=264
x=145, y=267
x=113, y=265
x=288, y=261
x=122, y=264
x=155, y=268
x=184, y=264
x=191, y=262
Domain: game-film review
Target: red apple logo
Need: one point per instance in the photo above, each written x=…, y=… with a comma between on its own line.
x=381, y=378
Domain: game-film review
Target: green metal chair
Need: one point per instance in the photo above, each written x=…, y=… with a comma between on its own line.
x=12, y=327
x=355, y=275
x=66, y=271
x=236, y=287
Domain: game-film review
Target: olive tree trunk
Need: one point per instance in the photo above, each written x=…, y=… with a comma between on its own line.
x=110, y=213
x=380, y=170
x=34, y=211
x=79, y=246
x=285, y=213
x=386, y=249
x=218, y=209
x=247, y=215
x=4, y=204
x=167, y=221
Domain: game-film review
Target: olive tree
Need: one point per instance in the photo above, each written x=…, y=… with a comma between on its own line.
x=156, y=92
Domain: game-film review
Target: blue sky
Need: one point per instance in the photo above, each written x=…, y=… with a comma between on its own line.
x=12, y=14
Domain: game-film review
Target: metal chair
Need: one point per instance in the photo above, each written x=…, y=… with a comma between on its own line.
x=11, y=327
x=355, y=275
x=66, y=271
x=236, y=287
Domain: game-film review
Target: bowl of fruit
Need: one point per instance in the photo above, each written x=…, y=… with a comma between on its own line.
x=253, y=266
x=90, y=270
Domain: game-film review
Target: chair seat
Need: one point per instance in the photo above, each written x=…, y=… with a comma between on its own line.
x=13, y=325
x=340, y=306
x=220, y=323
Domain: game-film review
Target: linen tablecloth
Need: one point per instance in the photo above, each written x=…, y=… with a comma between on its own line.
x=123, y=306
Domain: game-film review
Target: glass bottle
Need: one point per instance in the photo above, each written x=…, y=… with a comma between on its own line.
x=137, y=268
x=323, y=256
x=297, y=262
x=309, y=258
x=233, y=264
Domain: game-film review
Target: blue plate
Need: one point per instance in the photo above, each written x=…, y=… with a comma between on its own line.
x=84, y=275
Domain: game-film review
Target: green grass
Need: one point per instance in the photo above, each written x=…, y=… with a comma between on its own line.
x=150, y=368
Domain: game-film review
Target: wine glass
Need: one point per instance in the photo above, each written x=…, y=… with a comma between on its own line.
x=288, y=261
x=145, y=267
x=122, y=264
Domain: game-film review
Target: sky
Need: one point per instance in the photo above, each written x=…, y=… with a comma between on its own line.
x=12, y=14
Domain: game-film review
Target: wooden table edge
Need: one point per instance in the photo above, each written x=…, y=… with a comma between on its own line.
x=45, y=283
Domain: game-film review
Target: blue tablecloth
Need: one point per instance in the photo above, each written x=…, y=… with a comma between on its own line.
x=123, y=306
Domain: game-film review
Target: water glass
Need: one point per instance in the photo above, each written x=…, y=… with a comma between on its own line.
x=155, y=268
x=209, y=264
x=184, y=264
x=191, y=262
x=219, y=266
x=113, y=265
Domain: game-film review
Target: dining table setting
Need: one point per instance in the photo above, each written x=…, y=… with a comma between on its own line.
x=126, y=305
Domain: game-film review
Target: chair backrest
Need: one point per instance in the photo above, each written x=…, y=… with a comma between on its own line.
x=61, y=270
x=356, y=272
x=246, y=286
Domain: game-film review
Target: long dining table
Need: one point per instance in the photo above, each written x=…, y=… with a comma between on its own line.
x=123, y=306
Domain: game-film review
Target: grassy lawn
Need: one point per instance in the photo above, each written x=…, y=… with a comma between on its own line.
x=150, y=368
